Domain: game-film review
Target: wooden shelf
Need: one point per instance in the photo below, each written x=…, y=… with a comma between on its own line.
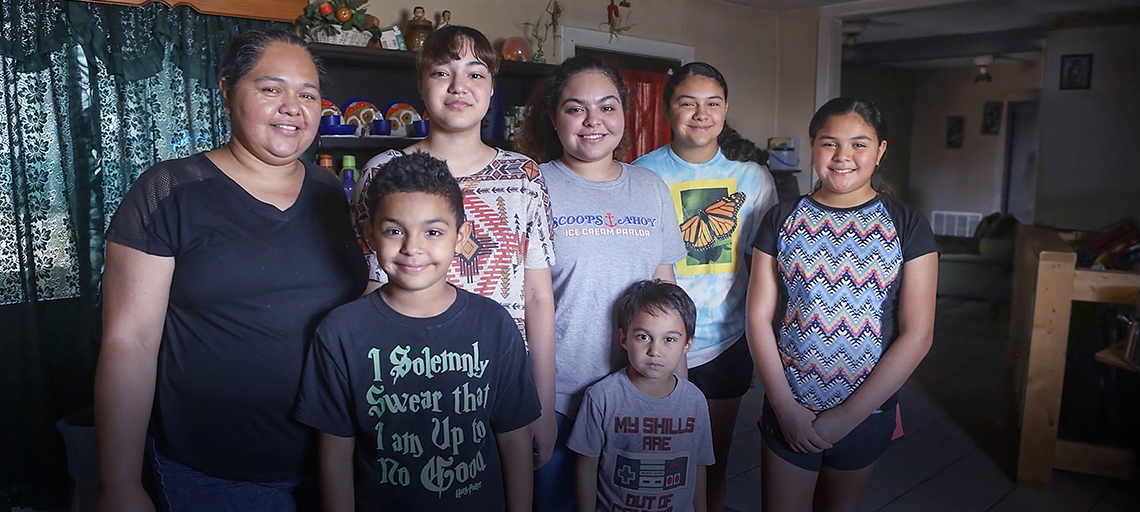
x=274, y=10
x=399, y=59
x=377, y=144
x=384, y=77
x=1046, y=282
x=380, y=143
x=1114, y=356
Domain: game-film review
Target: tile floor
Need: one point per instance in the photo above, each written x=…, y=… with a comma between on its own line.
x=958, y=453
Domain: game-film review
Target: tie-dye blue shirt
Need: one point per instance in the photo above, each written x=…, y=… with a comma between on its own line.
x=719, y=205
x=840, y=270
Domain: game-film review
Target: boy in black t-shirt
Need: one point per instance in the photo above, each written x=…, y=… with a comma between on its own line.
x=429, y=385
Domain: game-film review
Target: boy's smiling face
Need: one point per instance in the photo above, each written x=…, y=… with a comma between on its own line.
x=655, y=343
x=415, y=237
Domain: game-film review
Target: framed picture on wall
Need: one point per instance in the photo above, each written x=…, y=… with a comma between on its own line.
x=955, y=130
x=1076, y=71
x=991, y=118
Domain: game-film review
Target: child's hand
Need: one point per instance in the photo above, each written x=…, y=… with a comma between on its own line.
x=544, y=433
x=796, y=422
x=834, y=424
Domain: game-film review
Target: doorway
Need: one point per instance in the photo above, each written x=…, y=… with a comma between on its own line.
x=1019, y=186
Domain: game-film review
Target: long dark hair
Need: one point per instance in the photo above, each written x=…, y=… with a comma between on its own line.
x=732, y=144
x=870, y=114
x=537, y=138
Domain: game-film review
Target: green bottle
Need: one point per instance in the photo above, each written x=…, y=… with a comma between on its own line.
x=348, y=175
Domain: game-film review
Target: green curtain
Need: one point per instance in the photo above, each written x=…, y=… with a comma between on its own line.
x=92, y=95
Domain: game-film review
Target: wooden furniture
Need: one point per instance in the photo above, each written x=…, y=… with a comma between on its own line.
x=1046, y=282
x=273, y=10
x=384, y=76
x=1114, y=356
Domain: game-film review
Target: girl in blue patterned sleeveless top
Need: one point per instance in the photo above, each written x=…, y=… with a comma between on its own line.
x=858, y=270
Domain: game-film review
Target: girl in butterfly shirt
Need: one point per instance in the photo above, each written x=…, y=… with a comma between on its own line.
x=510, y=249
x=720, y=190
x=859, y=270
x=615, y=225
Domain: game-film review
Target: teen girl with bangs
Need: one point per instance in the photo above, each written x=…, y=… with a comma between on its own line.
x=509, y=252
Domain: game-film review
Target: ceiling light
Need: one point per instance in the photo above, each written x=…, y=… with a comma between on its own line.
x=983, y=62
x=849, y=51
x=850, y=31
x=984, y=76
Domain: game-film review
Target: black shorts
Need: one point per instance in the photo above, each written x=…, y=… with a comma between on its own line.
x=728, y=375
x=859, y=449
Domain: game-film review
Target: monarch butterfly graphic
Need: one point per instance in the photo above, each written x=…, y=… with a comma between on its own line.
x=714, y=222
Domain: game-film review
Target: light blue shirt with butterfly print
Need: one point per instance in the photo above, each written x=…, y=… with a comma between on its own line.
x=719, y=206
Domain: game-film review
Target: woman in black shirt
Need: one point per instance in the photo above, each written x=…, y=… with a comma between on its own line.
x=218, y=268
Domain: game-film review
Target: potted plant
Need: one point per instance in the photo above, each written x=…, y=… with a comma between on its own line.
x=338, y=22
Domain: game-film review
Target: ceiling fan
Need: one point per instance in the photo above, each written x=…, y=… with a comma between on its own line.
x=851, y=30
x=985, y=61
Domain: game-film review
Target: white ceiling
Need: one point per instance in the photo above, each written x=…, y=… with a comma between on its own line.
x=957, y=18
x=786, y=5
x=967, y=62
x=980, y=16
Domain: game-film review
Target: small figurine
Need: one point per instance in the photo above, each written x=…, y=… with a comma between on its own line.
x=554, y=9
x=444, y=18
x=417, y=29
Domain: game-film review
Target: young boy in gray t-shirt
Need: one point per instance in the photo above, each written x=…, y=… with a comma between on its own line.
x=642, y=433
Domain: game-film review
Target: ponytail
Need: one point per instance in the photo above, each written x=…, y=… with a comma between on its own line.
x=736, y=147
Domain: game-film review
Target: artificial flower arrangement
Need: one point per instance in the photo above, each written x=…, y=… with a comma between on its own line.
x=339, y=22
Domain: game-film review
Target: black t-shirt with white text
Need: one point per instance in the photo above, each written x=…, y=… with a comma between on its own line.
x=424, y=398
x=250, y=284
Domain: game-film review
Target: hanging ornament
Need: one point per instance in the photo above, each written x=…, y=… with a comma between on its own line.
x=614, y=22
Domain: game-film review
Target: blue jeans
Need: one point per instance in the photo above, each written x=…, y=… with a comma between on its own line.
x=554, y=482
x=181, y=488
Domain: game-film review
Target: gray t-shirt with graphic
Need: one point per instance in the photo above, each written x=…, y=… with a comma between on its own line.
x=607, y=236
x=648, y=448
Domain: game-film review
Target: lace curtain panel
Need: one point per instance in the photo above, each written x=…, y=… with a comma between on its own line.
x=92, y=95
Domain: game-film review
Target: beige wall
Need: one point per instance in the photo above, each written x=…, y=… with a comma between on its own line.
x=892, y=91
x=1089, y=151
x=739, y=41
x=967, y=179
x=799, y=34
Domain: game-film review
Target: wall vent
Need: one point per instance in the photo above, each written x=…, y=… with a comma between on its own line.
x=955, y=223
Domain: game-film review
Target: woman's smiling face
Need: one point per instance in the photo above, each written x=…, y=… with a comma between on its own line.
x=589, y=119
x=275, y=109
